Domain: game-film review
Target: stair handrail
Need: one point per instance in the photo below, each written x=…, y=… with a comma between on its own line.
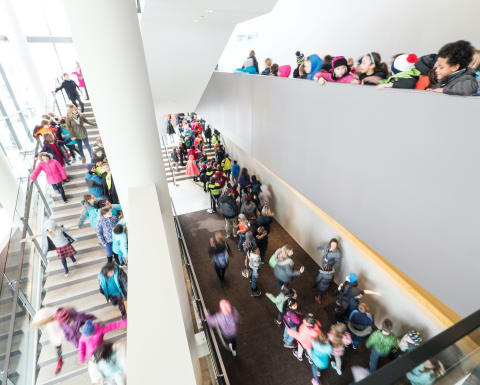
x=216, y=357
x=16, y=281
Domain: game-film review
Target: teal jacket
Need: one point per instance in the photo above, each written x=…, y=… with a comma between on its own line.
x=89, y=212
x=120, y=279
x=418, y=377
x=120, y=244
x=321, y=355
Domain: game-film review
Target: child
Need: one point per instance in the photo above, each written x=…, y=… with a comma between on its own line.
x=243, y=226
x=371, y=69
x=262, y=241
x=192, y=169
x=71, y=321
x=113, y=285
x=254, y=266
x=360, y=324
x=340, y=73
x=54, y=172
x=120, y=244
x=92, y=337
x=226, y=320
x=90, y=211
x=208, y=135
x=57, y=238
x=94, y=182
x=452, y=69
x=105, y=225
x=409, y=342
x=226, y=164
x=382, y=343
x=109, y=363
x=339, y=338
x=323, y=281
x=280, y=302
x=404, y=73
x=321, y=351
x=307, y=332
x=215, y=192
x=292, y=319
x=235, y=172
x=219, y=250
x=175, y=158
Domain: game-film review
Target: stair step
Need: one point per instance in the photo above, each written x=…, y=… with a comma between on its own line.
x=73, y=202
x=78, y=191
x=81, y=273
x=85, y=259
x=75, y=291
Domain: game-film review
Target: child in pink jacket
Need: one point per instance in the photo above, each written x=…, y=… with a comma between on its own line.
x=53, y=170
x=92, y=337
x=307, y=332
x=340, y=73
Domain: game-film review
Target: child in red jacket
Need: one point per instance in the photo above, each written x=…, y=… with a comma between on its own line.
x=307, y=332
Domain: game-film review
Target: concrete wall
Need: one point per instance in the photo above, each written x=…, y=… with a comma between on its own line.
x=352, y=28
x=396, y=168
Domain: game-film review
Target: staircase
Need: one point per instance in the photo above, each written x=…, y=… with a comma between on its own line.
x=80, y=290
x=181, y=173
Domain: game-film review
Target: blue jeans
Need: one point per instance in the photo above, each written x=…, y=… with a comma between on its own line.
x=108, y=249
x=241, y=239
x=374, y=358
x=279, y=285
x=254, y=280
x=288, y=340
x=314, y=371
x=80, y=147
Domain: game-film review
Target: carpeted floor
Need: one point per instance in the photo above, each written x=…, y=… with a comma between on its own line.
x=261, y=357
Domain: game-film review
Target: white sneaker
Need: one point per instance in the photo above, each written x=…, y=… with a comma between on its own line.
x=66, y=275
x=75, y=263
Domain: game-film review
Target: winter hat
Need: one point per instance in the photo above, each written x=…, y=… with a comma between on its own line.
x=45, y=154
x=300, y=57
x=415, y=337
x=352, y=277
x=62, y=315
x=204, y=166
x=339, y=61
x=403, y=63
x=49, y=224
x=88, y=328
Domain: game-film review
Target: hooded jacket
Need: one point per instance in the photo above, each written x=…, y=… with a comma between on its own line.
x=329, y=257
x=47, y=147
x=87, y=345
x=89, y=212
x=426, y=63
x=405, y=79
x=321, y=355
x=305, y=334
x=254, y=263
x=284, y=272
x=76, y=129
x=324, y=279
x=71, y=330
x=120, y=244
x=120, y=279
x=329, y=76
x=462, y=82
x=316, y=63
x=226, y=322
x=94, y=184
x=52, y=169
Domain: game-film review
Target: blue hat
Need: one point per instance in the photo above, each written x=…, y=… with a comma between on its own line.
x=352, y=277
x=88, y=328
x=89, y=166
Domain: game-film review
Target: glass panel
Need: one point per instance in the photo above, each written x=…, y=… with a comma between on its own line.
x=56, y=17
x=31, y=17
x=45, y=57
x=68, y=58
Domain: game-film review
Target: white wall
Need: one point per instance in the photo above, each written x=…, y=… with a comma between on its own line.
x=352, y=28
x=396, y=168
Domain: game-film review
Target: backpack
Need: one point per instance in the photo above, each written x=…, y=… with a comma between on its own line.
x=272, y=261
x=221, y=259
x=188, y=142
x=228, y=207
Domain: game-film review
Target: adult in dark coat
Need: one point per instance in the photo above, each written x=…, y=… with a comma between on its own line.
x=70, y=88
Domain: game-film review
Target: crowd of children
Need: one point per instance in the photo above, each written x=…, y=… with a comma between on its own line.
x=454, y=70
x=62, y=140
x=245, y=205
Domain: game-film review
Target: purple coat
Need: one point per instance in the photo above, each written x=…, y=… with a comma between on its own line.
x=72, y=329
x=292, y=319
x=226, y=323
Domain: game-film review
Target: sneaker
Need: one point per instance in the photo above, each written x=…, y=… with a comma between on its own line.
x=59, y=366
x=334, y=366
x=66, y=275
x=295, y=354
x=245, y=273
x=277, y=322
x=66, y=180
x=228, y=236
x=354, y=346
x=210, y=211
x=75, y=263
x=65, y=200
x=256, y=293
x=309, y=359
x=288, y=346
x=234, y=353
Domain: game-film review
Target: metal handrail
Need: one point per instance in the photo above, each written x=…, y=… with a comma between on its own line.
x=168, y=158
x=19, y=273
x=217, y=361
x=396, y=369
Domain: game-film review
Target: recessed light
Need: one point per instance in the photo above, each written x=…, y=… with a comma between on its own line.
x=201, y=16
x=209, y=10
x=195, y=20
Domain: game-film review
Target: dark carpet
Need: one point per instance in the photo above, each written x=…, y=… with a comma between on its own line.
x=261, y=357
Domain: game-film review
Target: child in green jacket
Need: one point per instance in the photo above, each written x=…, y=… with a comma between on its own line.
x=382, y=343
x=280, y=302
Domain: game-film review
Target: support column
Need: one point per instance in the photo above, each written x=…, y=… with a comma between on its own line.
x=8, y=188
x=17, y=38
x=109, y=44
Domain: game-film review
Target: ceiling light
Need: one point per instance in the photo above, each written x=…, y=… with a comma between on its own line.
x=195, y=20
x=209, y=10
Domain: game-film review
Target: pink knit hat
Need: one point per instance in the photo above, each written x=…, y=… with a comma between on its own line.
x=62, y=315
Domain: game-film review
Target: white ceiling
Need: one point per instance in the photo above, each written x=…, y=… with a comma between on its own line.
x=183, y=41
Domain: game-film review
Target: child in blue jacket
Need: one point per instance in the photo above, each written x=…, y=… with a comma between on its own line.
x=120, y=243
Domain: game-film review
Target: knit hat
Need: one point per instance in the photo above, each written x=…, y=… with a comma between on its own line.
x=45, y=154
x=352, y=277
x=405, y=62
x=339, y=61
x=300, y=57
x=88, y=328
x=50, y=224
x=415, y=337
x=62, y=315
